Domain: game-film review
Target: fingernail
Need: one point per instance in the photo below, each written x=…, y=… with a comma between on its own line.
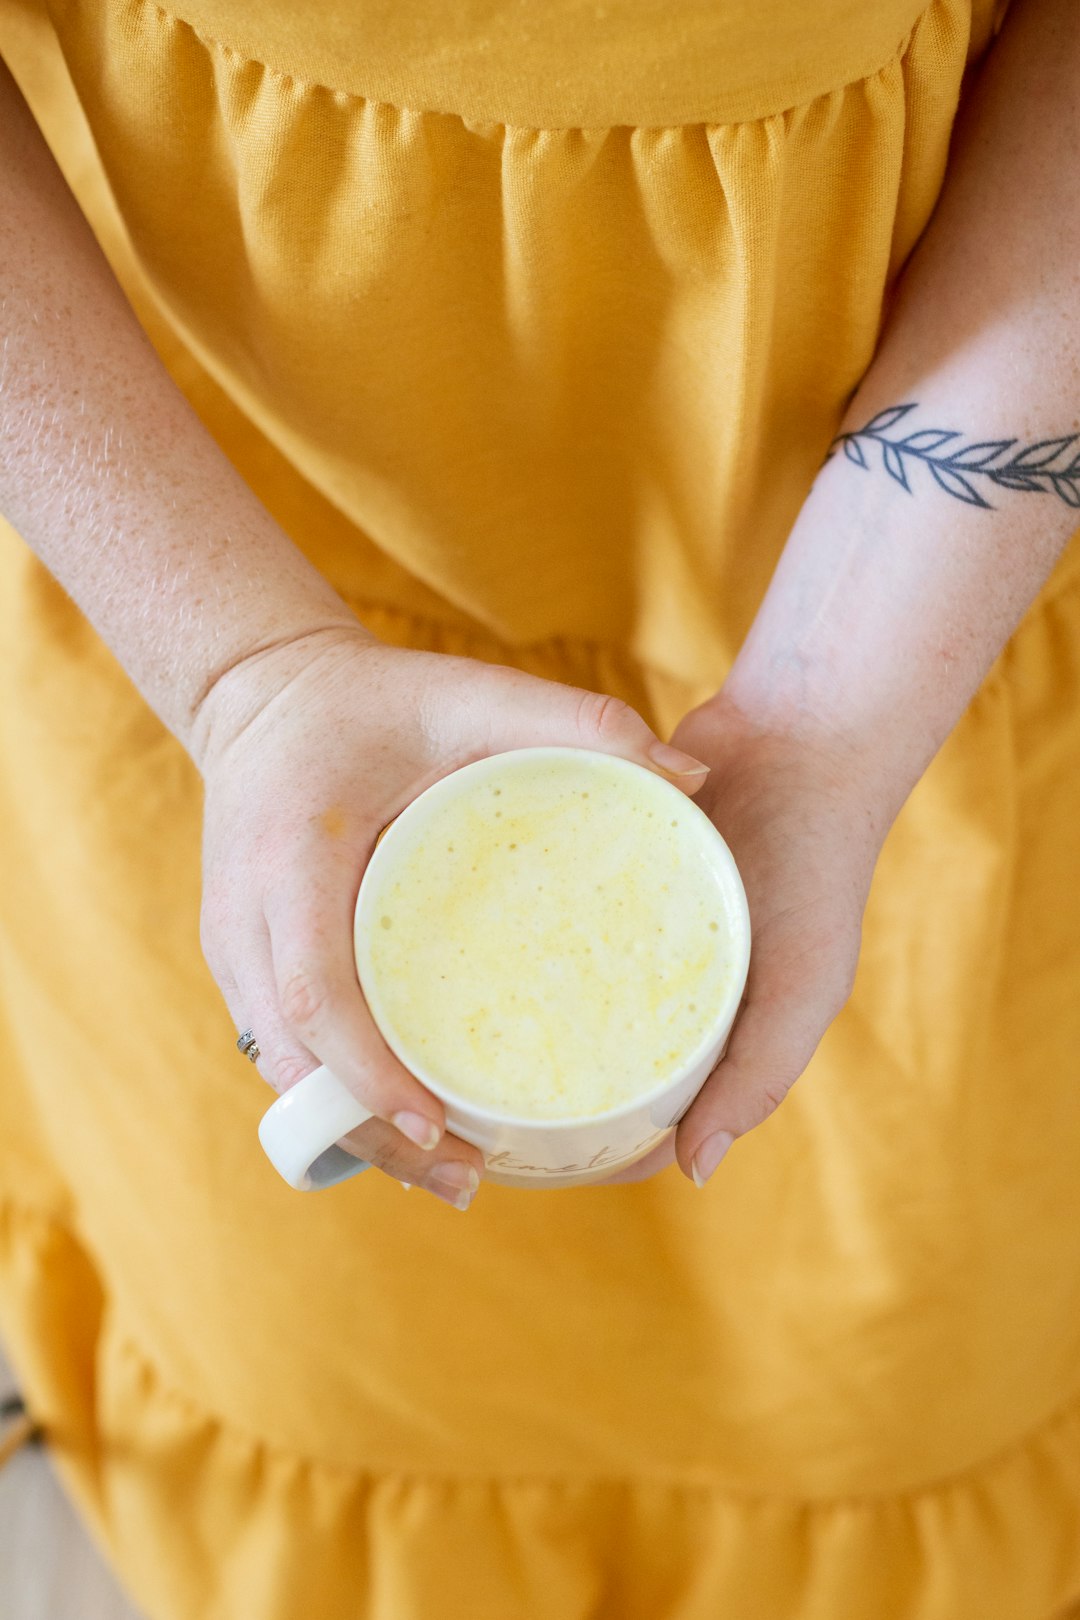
x=454, y=1181
x=708, y=1156
x=675, y=761
x=422, y=1131
x=407, y=1185
x=460, y=1200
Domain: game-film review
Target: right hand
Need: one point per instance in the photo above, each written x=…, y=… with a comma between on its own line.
x=307, y=750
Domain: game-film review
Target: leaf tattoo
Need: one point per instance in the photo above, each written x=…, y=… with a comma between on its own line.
x=1028, y=470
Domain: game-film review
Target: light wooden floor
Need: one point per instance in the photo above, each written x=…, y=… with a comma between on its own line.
x=49, y=1568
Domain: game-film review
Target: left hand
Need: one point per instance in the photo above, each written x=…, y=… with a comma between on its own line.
x=805, y=820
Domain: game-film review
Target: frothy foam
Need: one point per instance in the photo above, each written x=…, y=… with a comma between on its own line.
x=552, y=942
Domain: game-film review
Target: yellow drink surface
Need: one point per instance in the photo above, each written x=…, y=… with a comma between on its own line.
x=551, y=942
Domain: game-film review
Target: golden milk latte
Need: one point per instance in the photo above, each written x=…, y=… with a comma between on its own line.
x=549, y=934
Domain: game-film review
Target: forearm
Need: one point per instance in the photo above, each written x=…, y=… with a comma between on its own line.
x=889, y=605
x=110, y=476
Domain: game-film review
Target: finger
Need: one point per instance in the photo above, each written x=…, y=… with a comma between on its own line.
x=452, y=1172
x=309, y=913
x=546, y=713
x=773, y=1040
x=613, y=726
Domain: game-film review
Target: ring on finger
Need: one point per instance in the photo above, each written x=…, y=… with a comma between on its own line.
x=248, y=1045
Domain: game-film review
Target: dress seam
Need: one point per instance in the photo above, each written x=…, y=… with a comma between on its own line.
x=288, y=78
x=124, y=1341
x=618, y=651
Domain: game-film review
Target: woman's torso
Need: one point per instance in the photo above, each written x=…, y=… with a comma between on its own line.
x=558, y=309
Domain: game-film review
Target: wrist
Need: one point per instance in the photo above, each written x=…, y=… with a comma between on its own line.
x=879, y=625
x=751, y=727
x=231, y=698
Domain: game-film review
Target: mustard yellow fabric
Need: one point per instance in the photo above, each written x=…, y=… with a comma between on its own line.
x=532, y=325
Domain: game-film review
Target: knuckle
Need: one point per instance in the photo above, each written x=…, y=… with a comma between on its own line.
x=304, y=997
x=600, y=714
x=288, y=1068
x=375, y=1143
x=395, y=1161
x=772, y=1096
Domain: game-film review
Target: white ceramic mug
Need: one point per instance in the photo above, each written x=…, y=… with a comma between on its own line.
x=300, y=1131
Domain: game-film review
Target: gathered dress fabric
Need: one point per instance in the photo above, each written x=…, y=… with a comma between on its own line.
x=532, y=325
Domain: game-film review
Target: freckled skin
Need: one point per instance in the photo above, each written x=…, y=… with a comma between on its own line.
x=109, y=475
x=334, y=822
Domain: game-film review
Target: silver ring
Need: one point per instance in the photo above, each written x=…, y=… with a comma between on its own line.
x=248, y=1044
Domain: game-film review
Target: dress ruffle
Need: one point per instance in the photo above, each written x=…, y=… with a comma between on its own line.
x=160, y=1480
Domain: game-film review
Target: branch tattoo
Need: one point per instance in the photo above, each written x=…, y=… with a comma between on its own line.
x=1028, y=469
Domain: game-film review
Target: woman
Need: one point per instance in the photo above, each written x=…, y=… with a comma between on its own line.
x=523, y=339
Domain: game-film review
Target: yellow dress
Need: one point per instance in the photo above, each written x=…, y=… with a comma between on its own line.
x=532, y=325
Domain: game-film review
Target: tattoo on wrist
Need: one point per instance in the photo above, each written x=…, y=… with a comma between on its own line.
x=1028, y=470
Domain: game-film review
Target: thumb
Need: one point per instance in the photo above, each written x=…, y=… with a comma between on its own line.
x=550, y=713
x=773, y=1039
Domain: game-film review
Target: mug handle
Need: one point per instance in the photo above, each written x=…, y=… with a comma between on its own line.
x=299, y=1131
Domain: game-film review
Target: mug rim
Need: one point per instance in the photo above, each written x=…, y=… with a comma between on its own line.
x=735, y=897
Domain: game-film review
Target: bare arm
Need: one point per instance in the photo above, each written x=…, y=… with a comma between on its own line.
x=908, y=568
x=890, y=603
x=316, y=734
x=107, y=472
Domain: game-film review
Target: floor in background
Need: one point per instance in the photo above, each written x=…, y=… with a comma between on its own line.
x=49, y=1567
